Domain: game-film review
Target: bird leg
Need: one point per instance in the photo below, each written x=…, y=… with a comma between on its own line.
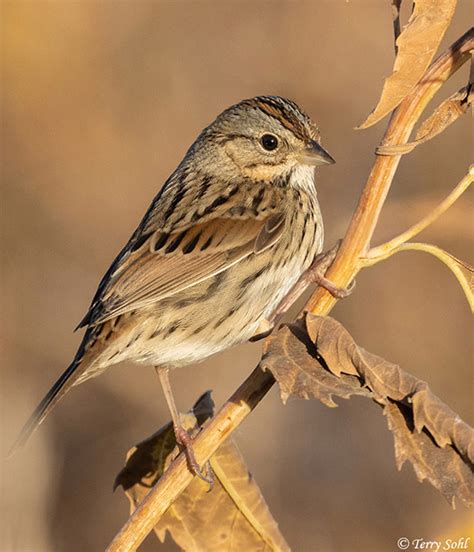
x=315, y=274
x=183, y=439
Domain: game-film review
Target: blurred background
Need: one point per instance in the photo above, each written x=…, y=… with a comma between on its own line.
x=100, y=102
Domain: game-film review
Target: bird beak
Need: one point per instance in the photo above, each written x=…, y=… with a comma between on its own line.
x=315, y=155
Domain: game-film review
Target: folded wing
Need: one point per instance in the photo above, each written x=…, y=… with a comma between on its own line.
x=167, y=263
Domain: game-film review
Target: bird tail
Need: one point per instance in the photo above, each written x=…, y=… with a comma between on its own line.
x=52, y=397
x=74, y=374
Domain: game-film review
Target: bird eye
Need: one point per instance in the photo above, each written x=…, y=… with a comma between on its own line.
x=269, y=142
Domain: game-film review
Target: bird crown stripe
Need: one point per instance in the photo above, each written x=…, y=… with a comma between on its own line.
x=284, y=116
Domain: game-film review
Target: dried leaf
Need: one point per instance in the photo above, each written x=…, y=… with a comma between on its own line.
x=444, y=115
x=417, y=45
x=232, y=517
x=456, y=477
x=318, y=358
x=293, y=360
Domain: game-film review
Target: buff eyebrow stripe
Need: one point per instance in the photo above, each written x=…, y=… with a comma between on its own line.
x=230, y=137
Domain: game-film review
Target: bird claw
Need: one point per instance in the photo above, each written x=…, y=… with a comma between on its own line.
x=314, y=274
x=185, y=441
x=335, y=291
x=317, y=274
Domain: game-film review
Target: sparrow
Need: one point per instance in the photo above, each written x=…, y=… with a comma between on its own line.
x=229, y=235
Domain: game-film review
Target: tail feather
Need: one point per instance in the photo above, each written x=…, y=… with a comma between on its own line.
x=57, y=391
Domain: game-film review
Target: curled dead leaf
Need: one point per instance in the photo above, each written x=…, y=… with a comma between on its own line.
x=443, y=116
x=232, y=517
x=293, y=360
x=317, y=357
x=443, y=469
x=417, y=44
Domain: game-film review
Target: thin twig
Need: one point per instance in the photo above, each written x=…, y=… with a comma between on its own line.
x=463, y=272
x=346, y=265
x=387, y=249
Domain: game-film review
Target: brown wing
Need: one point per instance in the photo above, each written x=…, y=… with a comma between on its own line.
x=167, y=263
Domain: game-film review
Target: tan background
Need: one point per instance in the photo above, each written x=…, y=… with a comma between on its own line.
x=100, y=102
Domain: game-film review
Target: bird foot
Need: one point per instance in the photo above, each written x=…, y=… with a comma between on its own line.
x=316, y=274
x=335, y=291
x=185, y=442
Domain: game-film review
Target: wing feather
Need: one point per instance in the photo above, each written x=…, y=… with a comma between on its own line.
x=167, y=263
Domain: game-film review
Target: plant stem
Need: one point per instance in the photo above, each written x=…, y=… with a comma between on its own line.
x=387, y=249
x=463, y=272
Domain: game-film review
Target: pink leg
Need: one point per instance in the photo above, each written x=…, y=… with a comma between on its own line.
x=183, y=439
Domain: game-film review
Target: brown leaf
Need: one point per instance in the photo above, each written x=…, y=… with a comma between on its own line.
x=318, y=358
x=443, y=116
x=443, y=468
x=416, y=45
x=232, y=517
x=293, y=360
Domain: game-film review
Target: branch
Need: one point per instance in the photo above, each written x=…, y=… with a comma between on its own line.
x=342, y=272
